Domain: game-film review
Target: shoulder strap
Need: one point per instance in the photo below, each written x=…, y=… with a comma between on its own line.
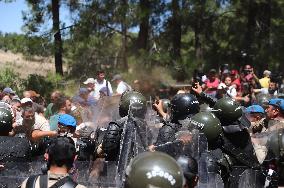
x=31, y=181
x=43, y=181
x=107, y=88
x=66, y=182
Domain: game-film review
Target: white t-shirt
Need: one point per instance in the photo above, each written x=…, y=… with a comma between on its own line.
x=230, y=90
x=122, y=87
x=265, y=91
x=99, y=86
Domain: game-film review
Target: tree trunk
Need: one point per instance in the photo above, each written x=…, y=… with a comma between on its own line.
x=176, y=29
x=249, y=36
x=57, y=37
x=124, y=4
x=198, y=31
x=143, y=35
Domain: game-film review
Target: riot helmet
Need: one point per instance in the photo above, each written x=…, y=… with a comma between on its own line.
x=263, y=99
x=136, y=101
x=207, y=123
x=6, y=118
x=205, y=108
x=183, y=105
x=190, y=169
x=276, y=143
x=154, y=169
x=227, y=109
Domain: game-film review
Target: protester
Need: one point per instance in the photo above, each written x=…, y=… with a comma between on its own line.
x=101, y=82
x=121, y=85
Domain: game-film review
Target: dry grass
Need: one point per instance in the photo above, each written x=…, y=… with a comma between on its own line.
x=24, y=67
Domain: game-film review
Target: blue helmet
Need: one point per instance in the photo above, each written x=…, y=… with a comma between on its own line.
x=67, y=120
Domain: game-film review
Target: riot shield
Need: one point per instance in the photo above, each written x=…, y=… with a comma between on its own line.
x=105, y=111
x=251, y=179
x=12, y=174
x=92, y=118
x=197, y=147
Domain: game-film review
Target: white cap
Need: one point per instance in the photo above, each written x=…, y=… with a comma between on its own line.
x=25, y=100
x=267, y=72
x=90, y=81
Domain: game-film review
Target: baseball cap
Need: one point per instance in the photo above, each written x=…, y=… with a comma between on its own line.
x=254, y=109
x=83, y=90
x=267, y=72
x=277, y=102
x=116, y=77
x=90, y=81
x=67, y=120
x=9, y=90
x=25, y=100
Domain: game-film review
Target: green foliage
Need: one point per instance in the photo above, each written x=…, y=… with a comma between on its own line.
x=8, y=78
x=27, y=45
x=39, y=84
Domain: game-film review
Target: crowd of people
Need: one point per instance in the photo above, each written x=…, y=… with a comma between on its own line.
x=240, y=114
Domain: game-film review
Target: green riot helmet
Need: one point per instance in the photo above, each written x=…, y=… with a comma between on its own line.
x=154, y=169
x=137, y=102
x=227, y=110
x=6, y=120
x=166, y=104
x=207, y=123
x=276, y=143
x=205, y=108
x=263, y=99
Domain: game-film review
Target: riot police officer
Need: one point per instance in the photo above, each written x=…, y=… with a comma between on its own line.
x=132, y=107
x=181, y=108
x=237, y=152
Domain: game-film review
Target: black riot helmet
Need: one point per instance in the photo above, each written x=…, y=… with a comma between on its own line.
x=189, y=167
x=207, y=123
x=183, y=105
x=6, y=119
x=154, y=169
x=136, y=101
x=227, y=110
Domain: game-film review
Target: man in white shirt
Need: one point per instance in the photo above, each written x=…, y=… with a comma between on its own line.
x=121, y=85
x=101, y=82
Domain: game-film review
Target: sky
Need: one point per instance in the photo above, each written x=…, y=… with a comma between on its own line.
x=11, y=16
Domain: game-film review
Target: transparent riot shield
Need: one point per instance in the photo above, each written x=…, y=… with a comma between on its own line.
x=251, y=179
x=105, y=111
x=197, y=147
x=92, y=118
x=154, y=123
x=96, y=174
x=12, y=174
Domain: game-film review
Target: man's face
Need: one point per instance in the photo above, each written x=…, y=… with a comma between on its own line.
x=101, y=76
x=271, y=112
x=29, y=118
x=272, y=86
x=17, y=107
x=54, y=97
x=91, y=85
x=68, y=106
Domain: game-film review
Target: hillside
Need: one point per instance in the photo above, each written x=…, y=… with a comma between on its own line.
x=39, y=65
